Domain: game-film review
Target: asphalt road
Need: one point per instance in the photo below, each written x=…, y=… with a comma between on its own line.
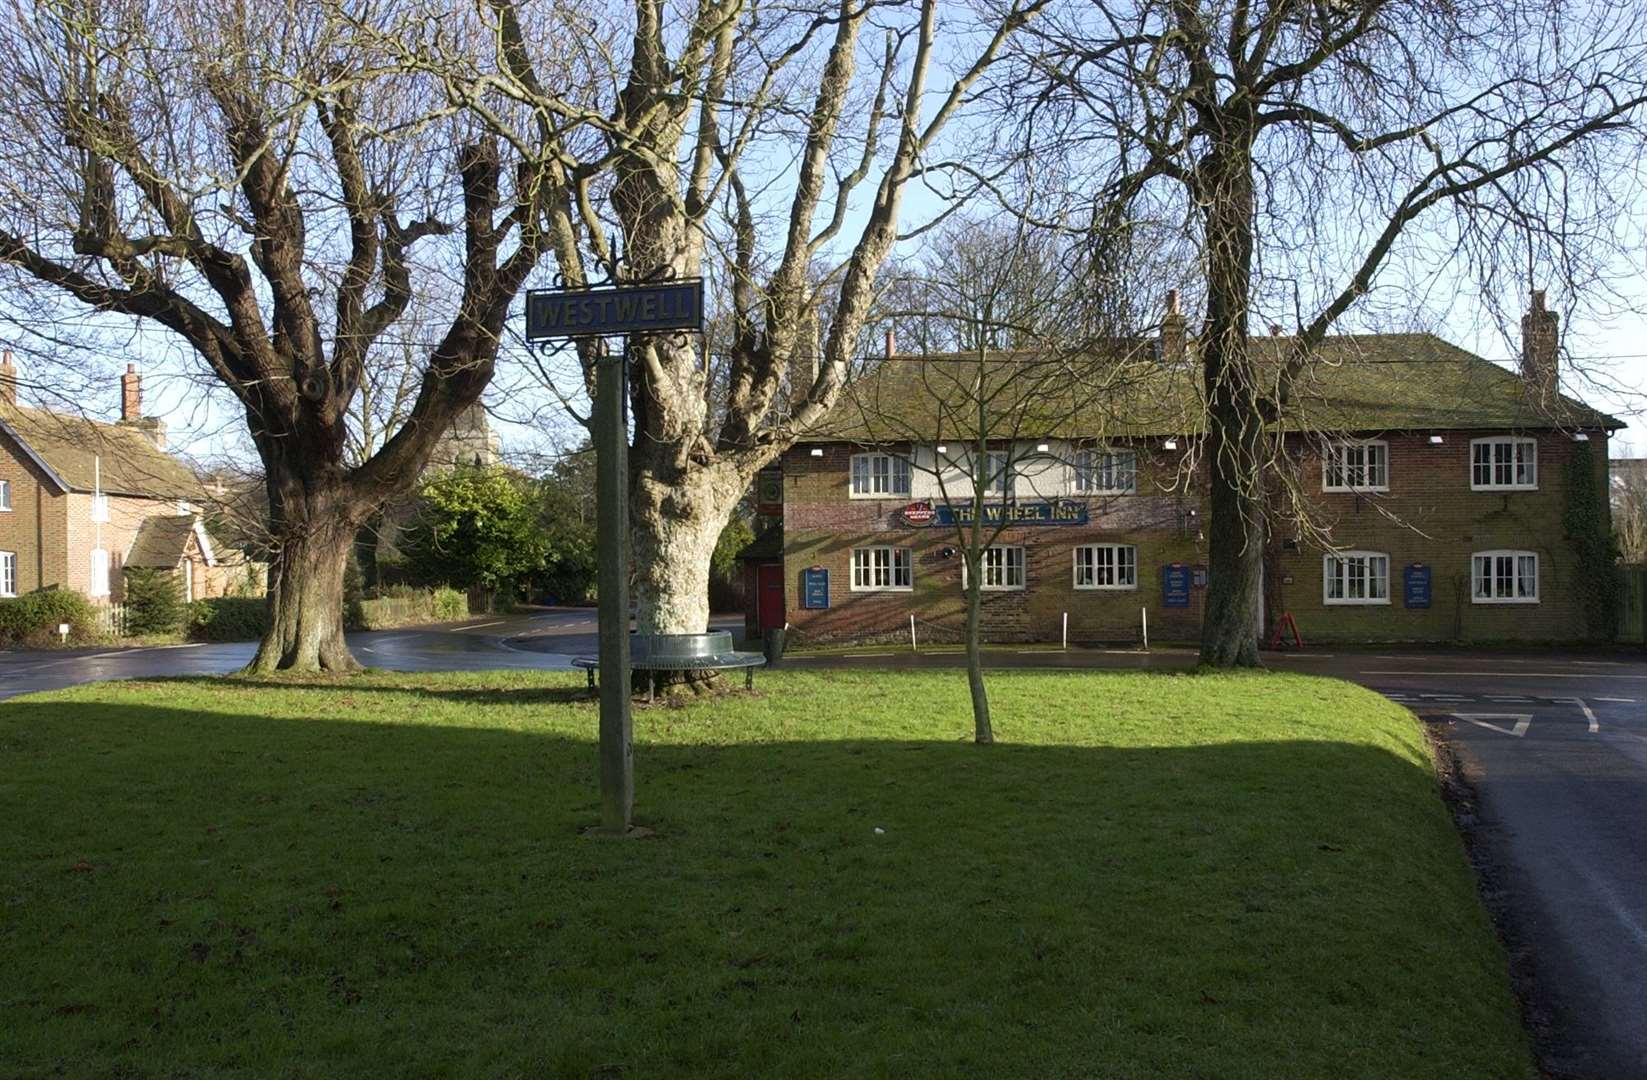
x=1555, y=746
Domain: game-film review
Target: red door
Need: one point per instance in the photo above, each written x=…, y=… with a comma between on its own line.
x=769, y=582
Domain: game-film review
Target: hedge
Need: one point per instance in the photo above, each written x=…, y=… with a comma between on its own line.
x=228, y=618
x=32, y=619
x=403, y=606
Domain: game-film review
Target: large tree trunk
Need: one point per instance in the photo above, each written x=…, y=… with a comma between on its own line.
x=674, y=524
x=314, y=532
x=1236, y=440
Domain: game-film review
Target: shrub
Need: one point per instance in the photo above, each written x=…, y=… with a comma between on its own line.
x=154, y=601
x=228, y=618
x=402, y=606
x=33, y=619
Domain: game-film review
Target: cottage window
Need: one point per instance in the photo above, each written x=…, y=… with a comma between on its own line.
x=880, y=568
x=998, y=473
x=1106, y=566
x=1503, y=464
x=1357, y=466
x=1003, y=569
x=8, y=573
x=879, y=476
x=1356, y=577
x=5, y=495
x=1106, y=472
x=1504, y=577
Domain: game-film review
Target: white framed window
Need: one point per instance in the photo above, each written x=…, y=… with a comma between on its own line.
x=1106, y=472
x=1355, y=577
x=8, y=573
x=1504, y=577
x=1356, y=466
x=881, y=568
x=1003, y=569
x=880, y=476
x=99, y=573
x=1503, y=464
x=998, y=473
x=5, y=495
x=100, y=508
x=1106, y=566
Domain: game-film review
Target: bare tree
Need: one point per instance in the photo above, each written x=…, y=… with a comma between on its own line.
x=1299, y=144
x=1629, y=498
x=260, y=182
x=712, y=132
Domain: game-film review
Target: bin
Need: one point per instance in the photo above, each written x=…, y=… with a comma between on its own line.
x=772, y=645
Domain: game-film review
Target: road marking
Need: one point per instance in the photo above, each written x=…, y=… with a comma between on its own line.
x=1522, y=721
x=482, y=625
x=1447, y=697
x=185, y=645
x=1021, y=651
x=1619, y=700
x=1598, y=663
x=868, y=654
x=1589, y=714
x=1511, y=700
x=1509, y=674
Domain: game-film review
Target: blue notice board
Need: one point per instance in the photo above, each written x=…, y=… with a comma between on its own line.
x=1416, y=585
x=1175, y=585
x=814, y=587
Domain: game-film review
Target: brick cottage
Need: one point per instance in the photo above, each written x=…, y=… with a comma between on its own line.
x=1437, y=485
x=82, y=500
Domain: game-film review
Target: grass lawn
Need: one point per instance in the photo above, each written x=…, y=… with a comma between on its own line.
x=1152, y=876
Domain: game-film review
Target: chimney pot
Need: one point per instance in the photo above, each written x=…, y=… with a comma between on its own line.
x=891, y=343
x=1541, y=351
x=131, y=395
x=1174, y=332
x=8, y=379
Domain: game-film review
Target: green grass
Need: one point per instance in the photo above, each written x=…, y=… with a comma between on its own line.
x=1152, y=876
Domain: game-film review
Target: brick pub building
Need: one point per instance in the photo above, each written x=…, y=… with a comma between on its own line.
x=1436, y=484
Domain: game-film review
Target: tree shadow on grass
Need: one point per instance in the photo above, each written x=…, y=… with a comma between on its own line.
x=194, y=890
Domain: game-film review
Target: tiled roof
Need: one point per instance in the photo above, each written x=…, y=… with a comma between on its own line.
x=161, y=541
x=1364, y=383
x=74, y=449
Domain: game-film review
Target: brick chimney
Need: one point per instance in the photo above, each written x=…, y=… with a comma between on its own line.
x=1540, y=350
x=8, y=379
x=891, y=342
x=1173, y=332
x=131, y=395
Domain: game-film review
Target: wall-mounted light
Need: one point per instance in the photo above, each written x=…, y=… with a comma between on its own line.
x=1581, y=436
x=1041, y=448
x=1170, y=444
x=1436, y=440
x=942, y=449
x=817, y=451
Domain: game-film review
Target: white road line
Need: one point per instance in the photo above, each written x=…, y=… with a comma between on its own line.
x=1447, y=697
x=1510, y=700
x=1598, y=663
x=1619, y=700
x=1510, y=674
x=868, y=654
x=1522, y=721
x=481, y=625
x=1589, y=714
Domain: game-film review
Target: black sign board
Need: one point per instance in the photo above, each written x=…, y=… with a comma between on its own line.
x=1062, y=512
x=620, y=309
x=1416, y=582
x=1175, y=586
x=815, y=587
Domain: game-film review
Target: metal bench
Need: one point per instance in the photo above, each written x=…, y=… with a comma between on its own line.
x=653, y=653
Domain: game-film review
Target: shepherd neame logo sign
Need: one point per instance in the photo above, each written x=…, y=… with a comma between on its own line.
x=622, y=309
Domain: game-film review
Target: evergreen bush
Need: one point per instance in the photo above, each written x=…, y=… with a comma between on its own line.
x=154, y=601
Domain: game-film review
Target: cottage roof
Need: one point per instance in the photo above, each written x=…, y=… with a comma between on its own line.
x=1357, y=383
x=72, y=450
x=162, y=541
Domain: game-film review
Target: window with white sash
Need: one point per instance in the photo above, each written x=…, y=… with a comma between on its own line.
x=1503, y=464
x=99, y=573
x=1106, y=566
x=1357, y=466
x=8, y=573
x=1504, y=577
x=1106, y=472
x=881, y=569
x=1355, y=577
x=880, y=476
x=1003, y=569
x=5, y=495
